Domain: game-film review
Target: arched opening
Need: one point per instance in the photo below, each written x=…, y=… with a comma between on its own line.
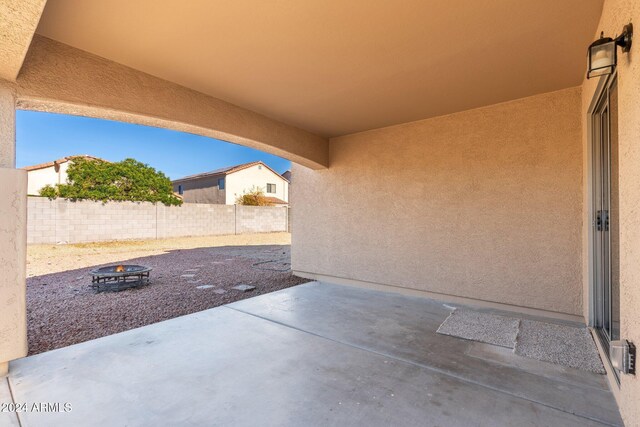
x=208, y=250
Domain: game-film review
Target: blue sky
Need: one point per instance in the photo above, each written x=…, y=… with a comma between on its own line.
x=43, y=137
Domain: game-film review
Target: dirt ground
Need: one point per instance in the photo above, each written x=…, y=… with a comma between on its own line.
x=189, y=275
x=46, y=259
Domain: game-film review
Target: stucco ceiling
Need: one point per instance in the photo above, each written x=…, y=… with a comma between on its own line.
x=338, y=67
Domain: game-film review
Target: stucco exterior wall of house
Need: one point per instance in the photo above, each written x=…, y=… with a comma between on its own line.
x=38, y=178
x=484, y=204
x=19, y=21
x=13, y=238
x=7, y=126
x=615, y=14
x=201, y=190
x=255, y=176
x=13, y=258
x=61, y=79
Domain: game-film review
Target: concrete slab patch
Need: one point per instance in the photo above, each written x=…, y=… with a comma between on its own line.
x=404, y=327
x=336, y=384
x=244, y=288
x=559, y=344
x=483, y=327
x=366, y=356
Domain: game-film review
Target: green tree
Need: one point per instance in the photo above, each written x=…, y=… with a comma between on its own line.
x=128, y=180
x=253, y=197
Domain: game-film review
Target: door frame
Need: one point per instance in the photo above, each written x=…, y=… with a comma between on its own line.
x=601, y=90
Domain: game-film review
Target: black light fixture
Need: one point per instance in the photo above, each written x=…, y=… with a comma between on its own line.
x=602, y=52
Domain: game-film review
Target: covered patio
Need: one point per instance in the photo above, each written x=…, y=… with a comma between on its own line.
x=315, y=354
x=442, y=150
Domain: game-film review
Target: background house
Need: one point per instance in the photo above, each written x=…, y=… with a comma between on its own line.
x=50, y=173
x=223, y=186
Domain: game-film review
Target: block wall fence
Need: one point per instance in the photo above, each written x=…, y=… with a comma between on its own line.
x=55, y=221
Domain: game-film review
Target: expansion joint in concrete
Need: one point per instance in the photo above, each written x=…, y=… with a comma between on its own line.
x=411, y=362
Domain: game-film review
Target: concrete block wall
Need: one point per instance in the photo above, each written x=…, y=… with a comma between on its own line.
x=260, y=219
x=41, y=220
x=195, y=220
x=54, y=221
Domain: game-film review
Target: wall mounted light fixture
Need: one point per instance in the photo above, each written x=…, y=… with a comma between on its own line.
x=602, y=52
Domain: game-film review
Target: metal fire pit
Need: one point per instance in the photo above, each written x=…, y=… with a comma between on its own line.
x=119, y=277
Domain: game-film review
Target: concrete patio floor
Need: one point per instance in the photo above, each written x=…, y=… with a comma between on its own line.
x=314, y=354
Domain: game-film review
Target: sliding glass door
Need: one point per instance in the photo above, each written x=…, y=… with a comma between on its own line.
x=605, y=221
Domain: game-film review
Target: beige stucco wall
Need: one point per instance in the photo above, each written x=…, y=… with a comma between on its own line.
x=7, y=126
x=483, y=204
x=615, y=14
x=19, y=21
x=241, y=181
x=38, y=178
x=59, y=78
x=202, y=190
x=13, y=236
x=205, y=189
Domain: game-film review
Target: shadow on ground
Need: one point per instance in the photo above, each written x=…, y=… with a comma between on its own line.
x=62, y=308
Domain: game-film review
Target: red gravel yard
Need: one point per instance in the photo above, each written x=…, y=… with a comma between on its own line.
x=63, y=309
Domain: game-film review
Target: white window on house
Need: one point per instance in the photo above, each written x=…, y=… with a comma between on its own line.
x=220, y=183
x=271, y=188
x=180, y=191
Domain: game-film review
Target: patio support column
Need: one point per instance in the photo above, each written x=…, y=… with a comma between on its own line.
x=7, y=126
x=13, y=238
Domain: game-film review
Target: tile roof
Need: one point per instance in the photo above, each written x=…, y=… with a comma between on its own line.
x=60, y=161
x=226, y=171
x=276, y=201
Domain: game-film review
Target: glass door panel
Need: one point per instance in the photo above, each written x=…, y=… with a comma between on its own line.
x=614, y=223
x=606, y=214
